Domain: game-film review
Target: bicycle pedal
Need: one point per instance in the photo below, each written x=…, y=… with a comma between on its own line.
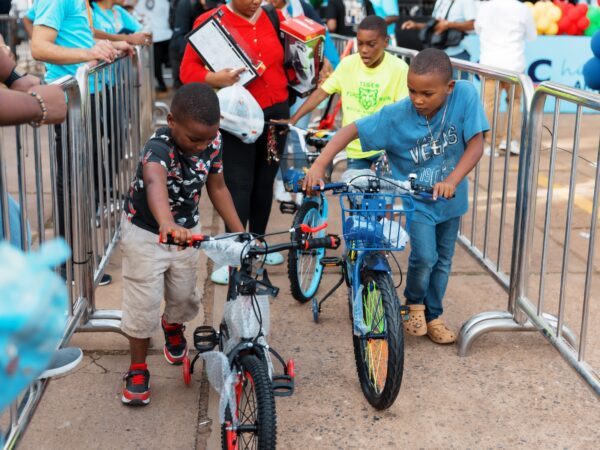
x=404, y=312
x=282, y=385
x=288, y=207
x=205, y=338
x=331, y=261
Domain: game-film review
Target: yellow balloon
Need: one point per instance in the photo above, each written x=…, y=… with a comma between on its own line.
x=552, y=29
x=542, y=24
x=529, y=4
x=554, y=13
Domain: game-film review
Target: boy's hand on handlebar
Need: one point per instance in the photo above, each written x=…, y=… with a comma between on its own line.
x=443, y=189
x=180, y=234
x=314, y=177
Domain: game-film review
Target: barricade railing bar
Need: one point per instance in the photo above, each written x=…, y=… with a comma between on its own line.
x=70, y=180
x=498, y=230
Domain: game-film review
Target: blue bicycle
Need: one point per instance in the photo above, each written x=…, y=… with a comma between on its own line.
x=305, y=268
x=375, y=213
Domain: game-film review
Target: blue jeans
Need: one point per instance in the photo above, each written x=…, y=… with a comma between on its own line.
x=465, y=56
x=293, y=140
x=429, y=263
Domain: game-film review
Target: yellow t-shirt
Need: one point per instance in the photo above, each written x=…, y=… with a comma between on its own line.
x=365, y=91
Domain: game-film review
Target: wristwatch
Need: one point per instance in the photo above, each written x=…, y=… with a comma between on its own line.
x=14, y=76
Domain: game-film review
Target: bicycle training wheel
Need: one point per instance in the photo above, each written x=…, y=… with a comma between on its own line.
x=304, y=268
x=380, y=354
x=257, y=428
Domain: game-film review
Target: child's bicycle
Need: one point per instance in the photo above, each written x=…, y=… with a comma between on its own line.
x=241, y=370
x=304, y=268
x=373, y=227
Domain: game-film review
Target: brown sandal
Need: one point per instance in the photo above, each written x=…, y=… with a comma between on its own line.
x=439, y=333
x=416, y=325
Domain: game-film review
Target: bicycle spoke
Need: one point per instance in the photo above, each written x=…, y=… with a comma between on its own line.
x=375, y=350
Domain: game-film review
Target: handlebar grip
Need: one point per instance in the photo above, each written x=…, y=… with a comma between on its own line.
x=194, y=241
x=330, y=241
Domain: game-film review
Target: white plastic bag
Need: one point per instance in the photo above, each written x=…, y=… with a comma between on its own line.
x=241, y=114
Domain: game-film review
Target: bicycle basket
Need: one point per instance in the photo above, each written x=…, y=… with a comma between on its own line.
x=368, y=224
x=294, y=166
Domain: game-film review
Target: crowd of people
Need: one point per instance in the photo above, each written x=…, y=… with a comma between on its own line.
x=427, y=122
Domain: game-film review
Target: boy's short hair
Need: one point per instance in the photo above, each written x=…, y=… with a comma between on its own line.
x=374, y=23
x=432, y=60
x=197, y=102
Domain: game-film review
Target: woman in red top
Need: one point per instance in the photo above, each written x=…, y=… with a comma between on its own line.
x=248, y=174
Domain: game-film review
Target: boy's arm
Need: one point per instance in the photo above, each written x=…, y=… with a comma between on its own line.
x=468, y=160
x=155, y=182
x=309, y=105
x=221, y=199
x=339, y=142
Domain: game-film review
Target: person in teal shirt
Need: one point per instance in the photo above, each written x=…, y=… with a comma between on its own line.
x=437, y=134
x=113, y=22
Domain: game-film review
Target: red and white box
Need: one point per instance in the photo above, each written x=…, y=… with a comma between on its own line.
x=303, y=40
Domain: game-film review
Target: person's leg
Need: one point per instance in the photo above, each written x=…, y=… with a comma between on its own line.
x=159, y=57
x=465, y=56
x=238, y=170
x=422, y=259
x=445, y=237
x=488, y=104
x=515, y=134
x=182, y=301
x=264, y=174
x=143, y=287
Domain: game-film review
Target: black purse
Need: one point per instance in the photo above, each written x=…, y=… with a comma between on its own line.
x=449, y=38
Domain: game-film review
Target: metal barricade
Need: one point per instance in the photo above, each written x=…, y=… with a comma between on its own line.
x=33, y=183
x=557, y=199
x=8, y=30
x=73, y=184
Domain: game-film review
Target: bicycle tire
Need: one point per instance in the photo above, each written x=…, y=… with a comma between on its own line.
x=256, y=376
x=382, y=315
x=304, y=289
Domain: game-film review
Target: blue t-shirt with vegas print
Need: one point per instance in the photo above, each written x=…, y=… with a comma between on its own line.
x=431, y=152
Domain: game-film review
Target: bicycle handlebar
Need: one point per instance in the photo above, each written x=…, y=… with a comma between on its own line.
x=329, y=241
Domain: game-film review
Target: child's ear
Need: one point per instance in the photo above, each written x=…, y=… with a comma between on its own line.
x=451, y=85
x=170, y=120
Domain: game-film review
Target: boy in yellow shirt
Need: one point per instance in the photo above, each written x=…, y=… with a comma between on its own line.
x=366, y=82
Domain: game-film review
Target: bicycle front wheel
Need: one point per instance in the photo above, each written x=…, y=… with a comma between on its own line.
x=256, y=415
x=380, y=353
x=304, y=268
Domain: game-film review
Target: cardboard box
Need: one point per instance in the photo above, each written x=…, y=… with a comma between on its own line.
x=303, y=40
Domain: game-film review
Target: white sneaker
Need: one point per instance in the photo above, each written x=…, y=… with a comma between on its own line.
x=220, y=275
x=281, y=195
x=514, y=147
x=274, y=259
x=63, y=361
x=487, y=151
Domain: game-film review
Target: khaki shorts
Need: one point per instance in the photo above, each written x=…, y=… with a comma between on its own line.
x=151, y=272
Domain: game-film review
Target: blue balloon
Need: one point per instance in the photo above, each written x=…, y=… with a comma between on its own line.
x=595, y=44
x=591, y=73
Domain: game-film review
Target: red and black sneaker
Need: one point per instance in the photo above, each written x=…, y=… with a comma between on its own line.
x=137, y=386
x=175, y=344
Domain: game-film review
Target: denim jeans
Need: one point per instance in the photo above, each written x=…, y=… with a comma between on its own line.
x=293, y=140
x=429, y=263
x=465, y=56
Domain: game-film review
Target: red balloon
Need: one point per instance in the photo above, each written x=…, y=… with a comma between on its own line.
x=572, y=29
x=583, y=23
x=581, y=9
x=563, y=23
x=573, y=14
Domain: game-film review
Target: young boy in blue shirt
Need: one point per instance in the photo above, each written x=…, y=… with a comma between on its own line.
x=436, y=133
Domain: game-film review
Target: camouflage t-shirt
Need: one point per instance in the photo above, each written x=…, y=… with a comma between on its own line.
x=185, y=177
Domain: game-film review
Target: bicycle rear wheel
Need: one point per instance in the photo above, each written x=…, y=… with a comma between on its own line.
x=380, y=354
x=257, y=427
x=304, y=268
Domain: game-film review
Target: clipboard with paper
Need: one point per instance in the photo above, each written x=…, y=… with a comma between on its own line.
x=219, y=50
